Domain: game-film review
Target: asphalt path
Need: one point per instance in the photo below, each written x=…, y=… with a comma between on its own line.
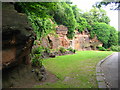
x=110, y=70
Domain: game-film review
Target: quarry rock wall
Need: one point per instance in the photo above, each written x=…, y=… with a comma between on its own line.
x=81, y=41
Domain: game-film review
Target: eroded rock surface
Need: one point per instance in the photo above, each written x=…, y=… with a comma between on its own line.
x=17, y=36
x=17, y=42
x=81, y=41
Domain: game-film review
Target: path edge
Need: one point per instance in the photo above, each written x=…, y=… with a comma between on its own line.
x=100, y=75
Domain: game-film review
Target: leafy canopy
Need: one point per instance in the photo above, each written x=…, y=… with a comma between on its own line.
x=106, y=34
x=42, y=15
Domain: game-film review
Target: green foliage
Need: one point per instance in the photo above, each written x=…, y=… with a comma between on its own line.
x=99, y=15
x=95, y=15
x=36, y=61
x=47, y=50
x=72, y=50
x=113, y=39
x=82, y=24
x=77, y=12
x=92, y=34
x=37, y=13
x=115, y=6
x=63, y=14
x=36, y=56
x=37, y=50
x=105, y=33
x=62, y=50
x=102, y=31
x=81, y=21
x=42, y=15
x=102, y=49
x=119, y=38
x=115, y=48
x=89, y=19
x=42, y=26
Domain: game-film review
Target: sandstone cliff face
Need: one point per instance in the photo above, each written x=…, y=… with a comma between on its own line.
x=17, y=42
x=81, y=41
x=17, y=37
x=62, y=32
x=54, y=41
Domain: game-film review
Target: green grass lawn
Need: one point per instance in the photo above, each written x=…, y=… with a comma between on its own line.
x=74, y=71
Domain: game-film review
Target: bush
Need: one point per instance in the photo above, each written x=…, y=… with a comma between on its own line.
x=115, y=48
x=36, y=61
x=62, y=50
x=37, y=50
x=72, y=50
x=101, y=49
x=108, y=49
x=47, y=50
x=36, y=56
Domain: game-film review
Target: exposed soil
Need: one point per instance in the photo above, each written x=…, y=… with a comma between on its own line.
x=51, y=78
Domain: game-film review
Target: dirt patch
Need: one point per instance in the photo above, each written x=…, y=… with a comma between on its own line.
x=23, y=77
x=51, y=78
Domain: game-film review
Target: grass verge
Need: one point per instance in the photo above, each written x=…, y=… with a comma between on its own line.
x=74, y=71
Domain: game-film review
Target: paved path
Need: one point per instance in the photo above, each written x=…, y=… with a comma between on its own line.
x=110, y=70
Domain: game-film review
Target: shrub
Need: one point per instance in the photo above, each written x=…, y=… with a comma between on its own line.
x=101, y=49
x=47, y=50
x=115, y=48
x=108, y=49
x=36, y=56
x=62, y=50
x=72, y=50
x=37, y=50
x=36, y=61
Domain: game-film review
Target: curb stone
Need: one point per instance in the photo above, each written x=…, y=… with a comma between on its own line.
x=100, y=75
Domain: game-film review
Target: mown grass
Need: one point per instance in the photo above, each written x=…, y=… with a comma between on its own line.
x=74, y=71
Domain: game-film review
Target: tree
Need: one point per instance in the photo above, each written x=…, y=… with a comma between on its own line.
x=119, y=38
x=81, y=21
x=39, y=14
x=113, y=38
x=89, y=19
x=102, y=31
x=99, y=15
x=115, y=3
x=64, y=15
x=82, y=24
x=77, y=12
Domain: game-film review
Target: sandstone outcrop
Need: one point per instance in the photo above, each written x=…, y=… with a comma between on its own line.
x=62, y=32
x=81, y=41
x=17, y=42
x=54, y=41
x=17, y=37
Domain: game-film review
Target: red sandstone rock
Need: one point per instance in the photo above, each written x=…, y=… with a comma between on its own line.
x=17, y=37
x=81, y=41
